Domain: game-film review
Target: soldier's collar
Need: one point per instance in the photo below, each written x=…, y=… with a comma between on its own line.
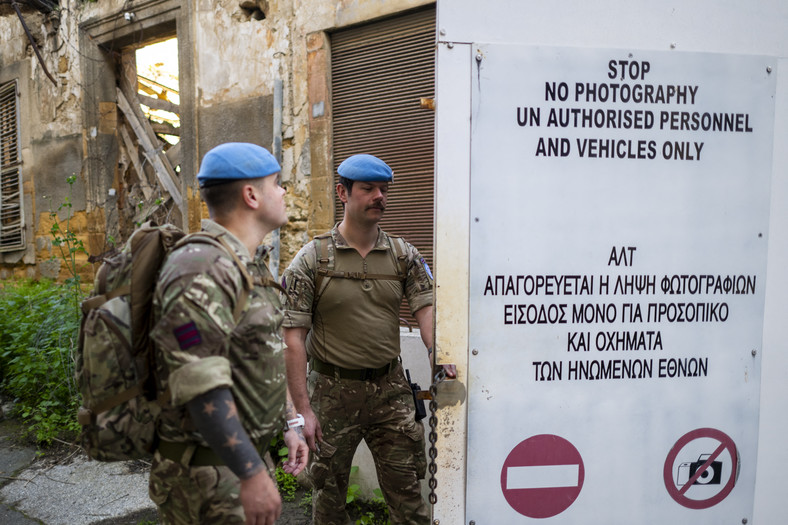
x=235, y=243
x=381, y=243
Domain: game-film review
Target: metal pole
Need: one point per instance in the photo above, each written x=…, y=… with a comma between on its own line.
x=273, y=262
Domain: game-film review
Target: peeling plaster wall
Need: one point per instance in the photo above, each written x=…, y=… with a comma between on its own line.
x=235, y=61
x=50, y=131
x=279, y=50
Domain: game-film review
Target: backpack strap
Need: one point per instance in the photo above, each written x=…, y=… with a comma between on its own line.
x=246, y=279
x=94, y=302
x=269, y=282
x=323, y=271
x=400, y=256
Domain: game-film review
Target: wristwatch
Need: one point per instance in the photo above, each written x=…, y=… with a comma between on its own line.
x=297, y=421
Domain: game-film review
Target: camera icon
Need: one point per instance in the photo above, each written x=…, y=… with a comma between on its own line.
x=711, y=476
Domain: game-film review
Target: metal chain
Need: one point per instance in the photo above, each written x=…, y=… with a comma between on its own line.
x=433, y=436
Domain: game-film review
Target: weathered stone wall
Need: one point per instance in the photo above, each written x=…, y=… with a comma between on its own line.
x=51, y=134
x=295, y=49
x=234, y=58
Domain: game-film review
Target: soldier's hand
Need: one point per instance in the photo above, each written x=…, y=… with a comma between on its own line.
x=450, y=371
x=312, y=431
x=297, y=451
x=260, y=499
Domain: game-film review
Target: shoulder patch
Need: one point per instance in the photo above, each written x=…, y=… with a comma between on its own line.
x=187, y=335
x=427, y=268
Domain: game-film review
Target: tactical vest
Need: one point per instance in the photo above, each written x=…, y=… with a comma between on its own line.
x=325, y=267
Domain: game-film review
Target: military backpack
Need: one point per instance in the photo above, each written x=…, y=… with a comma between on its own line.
x=115, y=359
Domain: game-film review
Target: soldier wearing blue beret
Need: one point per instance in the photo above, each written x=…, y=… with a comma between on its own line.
x=365, y=168
x=234, y=161
x=343, y=293
x=219, y=353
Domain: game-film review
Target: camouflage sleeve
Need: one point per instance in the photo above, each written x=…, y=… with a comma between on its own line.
x=197, y=293
x=299, y=283
x=418, y=286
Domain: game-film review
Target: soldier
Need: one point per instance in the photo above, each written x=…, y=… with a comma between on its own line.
x=219, y=353
x=344, y=290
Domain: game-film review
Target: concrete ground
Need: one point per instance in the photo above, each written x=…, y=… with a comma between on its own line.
x=66, y=488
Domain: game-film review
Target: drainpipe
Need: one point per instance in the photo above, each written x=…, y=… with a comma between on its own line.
x=273, y=262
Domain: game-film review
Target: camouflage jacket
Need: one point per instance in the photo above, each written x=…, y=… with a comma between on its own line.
x=200, y=346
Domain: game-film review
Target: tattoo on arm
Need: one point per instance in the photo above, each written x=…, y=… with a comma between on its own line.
x=290, y=410
x=216, y=417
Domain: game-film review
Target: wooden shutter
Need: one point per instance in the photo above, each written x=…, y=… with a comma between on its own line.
x=12, y=233
x=379, y=73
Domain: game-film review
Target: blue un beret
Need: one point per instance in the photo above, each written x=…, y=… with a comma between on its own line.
x=365, y=167
x=236, y=161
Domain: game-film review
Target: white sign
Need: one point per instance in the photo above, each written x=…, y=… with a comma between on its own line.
x=619, y=225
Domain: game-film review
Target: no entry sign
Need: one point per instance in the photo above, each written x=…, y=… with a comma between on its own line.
x=542, y=476
x=701, y=480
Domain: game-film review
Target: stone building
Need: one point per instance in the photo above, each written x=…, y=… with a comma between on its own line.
x=91, y=144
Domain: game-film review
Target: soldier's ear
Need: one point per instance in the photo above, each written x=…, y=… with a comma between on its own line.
x=251, y=196
x=342, y=193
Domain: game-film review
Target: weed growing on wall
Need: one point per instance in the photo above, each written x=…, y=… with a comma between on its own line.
x=68, y=244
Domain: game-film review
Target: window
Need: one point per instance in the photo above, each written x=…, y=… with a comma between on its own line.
x=11, y=223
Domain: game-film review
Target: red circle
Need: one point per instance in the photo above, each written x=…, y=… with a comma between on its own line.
x=667, y=471
x=542, y=450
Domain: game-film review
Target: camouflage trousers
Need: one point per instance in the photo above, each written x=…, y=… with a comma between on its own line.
x=191, y=495
x=380, y=412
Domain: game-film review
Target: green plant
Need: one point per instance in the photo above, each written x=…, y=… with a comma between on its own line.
x=374, y=511
x=306, y=503
x=68, y=244
x=38, y=333
x=141, y=206
x=368, y=512
x=288, y=484
x=353, y=489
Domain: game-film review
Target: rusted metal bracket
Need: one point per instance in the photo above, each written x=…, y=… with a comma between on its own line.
x=439, y=376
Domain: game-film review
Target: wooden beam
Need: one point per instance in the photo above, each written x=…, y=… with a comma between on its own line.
x=154, y=154
x=165, y=128
x=133, y=154
x=174, y=154
x=158, y=103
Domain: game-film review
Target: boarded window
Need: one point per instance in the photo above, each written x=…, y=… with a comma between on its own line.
x=379, y=73
x=11, y=224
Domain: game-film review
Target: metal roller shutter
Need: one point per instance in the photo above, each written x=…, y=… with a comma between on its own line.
x=380, y=71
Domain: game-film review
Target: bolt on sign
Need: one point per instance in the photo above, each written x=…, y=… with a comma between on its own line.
x=619, y=224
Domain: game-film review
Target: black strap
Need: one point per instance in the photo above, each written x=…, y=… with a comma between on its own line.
x=359, y=374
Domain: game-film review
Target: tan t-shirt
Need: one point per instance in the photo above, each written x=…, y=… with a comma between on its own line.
x=355, y=323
